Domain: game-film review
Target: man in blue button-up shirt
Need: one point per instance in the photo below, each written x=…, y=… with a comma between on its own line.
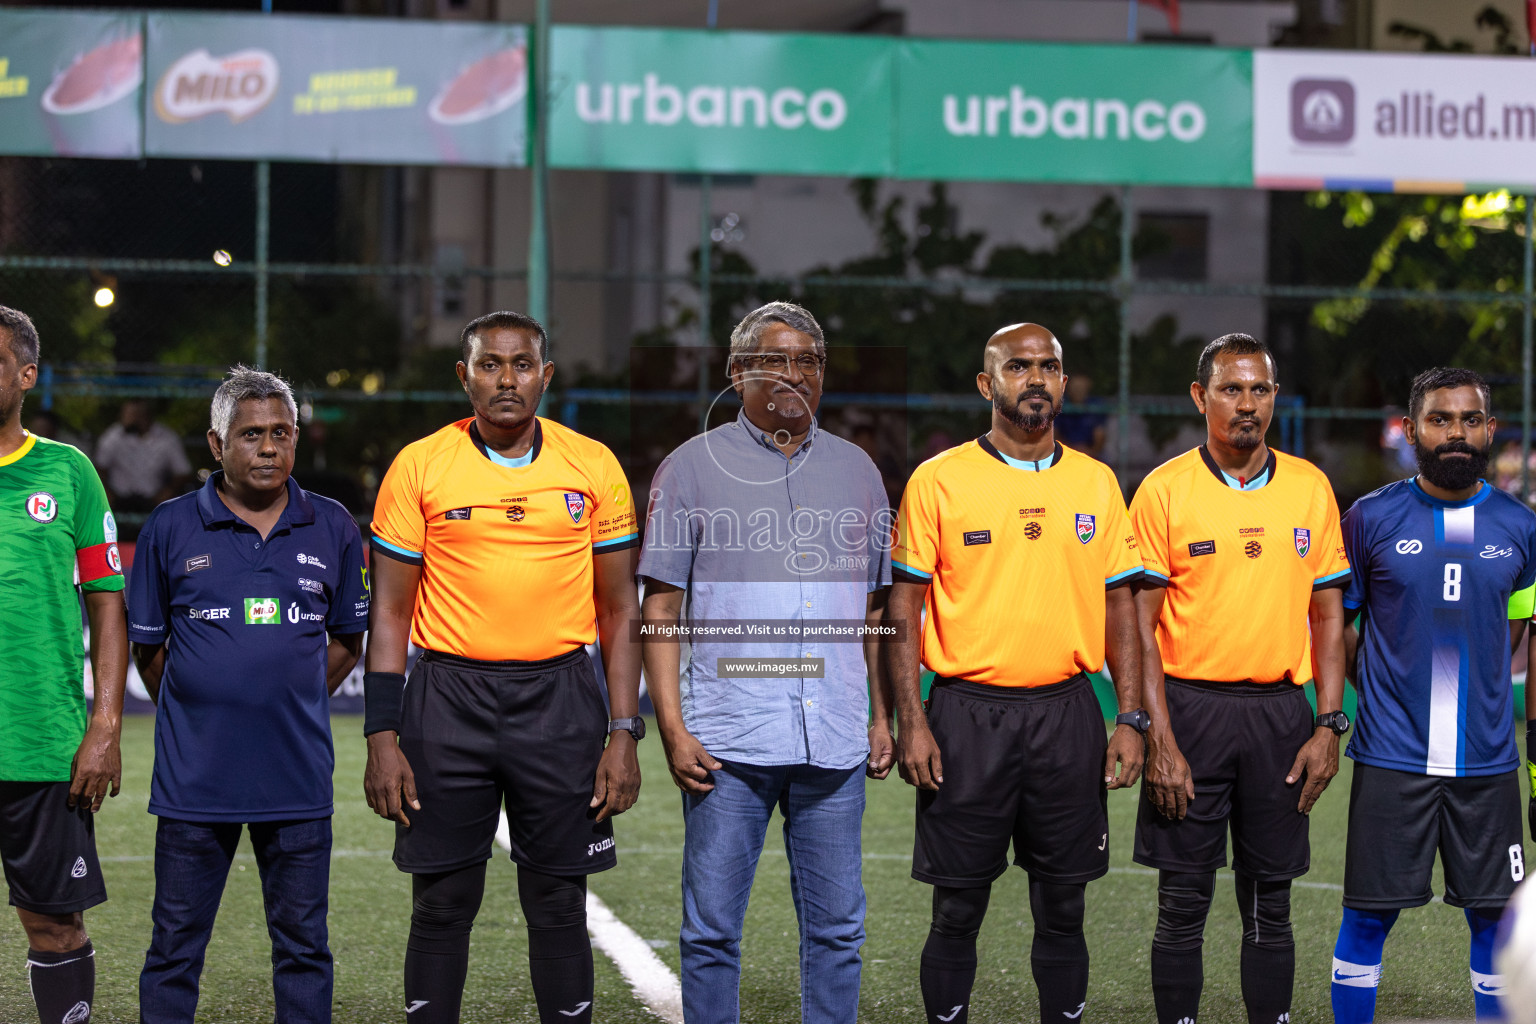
x=246, y=607
x=768, y=543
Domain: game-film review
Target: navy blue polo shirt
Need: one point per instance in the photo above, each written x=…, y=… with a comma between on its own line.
x=242, y=729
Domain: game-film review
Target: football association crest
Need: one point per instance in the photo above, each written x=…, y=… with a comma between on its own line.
x=1085, y=527
x=1303, y=542
x=575, y=504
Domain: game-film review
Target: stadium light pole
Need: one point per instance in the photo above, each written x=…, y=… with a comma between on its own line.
x=1123, y=392
x=263, y=233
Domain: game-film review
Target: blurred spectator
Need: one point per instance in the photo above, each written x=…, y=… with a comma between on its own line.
x=1396, y=449
x=1081, y=430
x=46, y=423
x=891, y=475
x=1506, y=467
x=142, y=462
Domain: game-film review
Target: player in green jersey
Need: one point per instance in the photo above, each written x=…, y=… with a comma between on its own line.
x=57, y=539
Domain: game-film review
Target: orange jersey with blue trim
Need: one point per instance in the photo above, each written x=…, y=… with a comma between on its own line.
x=1240, y=560
x=505, y=545
x=1017, y=561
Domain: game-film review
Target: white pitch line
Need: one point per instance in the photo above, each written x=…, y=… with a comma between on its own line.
x=650, y=979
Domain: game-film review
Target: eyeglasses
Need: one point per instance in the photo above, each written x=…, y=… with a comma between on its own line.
x=778, y=362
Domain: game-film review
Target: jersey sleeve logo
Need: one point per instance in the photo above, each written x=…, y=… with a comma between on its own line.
x=42, y=507
x=1085, y=527
x=576, y=505
x=1303, y=542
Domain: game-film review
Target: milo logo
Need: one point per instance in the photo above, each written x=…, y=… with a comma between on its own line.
x=263, y=611
x=198, y=84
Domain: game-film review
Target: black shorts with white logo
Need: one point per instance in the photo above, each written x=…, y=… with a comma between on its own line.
x=48, y=850
x=528, y=734
x=1397, y=820
x=1240, y=740
x=1022, y=766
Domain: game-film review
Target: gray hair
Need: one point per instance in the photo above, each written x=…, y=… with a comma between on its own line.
x=748, y=334
x=244, y=384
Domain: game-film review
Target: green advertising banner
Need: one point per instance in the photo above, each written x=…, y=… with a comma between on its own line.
x=1143, y=115
x=70, y=83
x=768, y=103
x=342, y=90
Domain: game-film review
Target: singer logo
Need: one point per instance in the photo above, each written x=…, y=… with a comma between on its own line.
x=1322, y=110
x=199, y=84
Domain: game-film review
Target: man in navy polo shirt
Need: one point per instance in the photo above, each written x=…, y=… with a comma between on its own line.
x=247, y=602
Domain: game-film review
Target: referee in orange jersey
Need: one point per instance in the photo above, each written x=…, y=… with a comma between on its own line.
x=1020, y=553
x=1246, y=567
x=502, y=545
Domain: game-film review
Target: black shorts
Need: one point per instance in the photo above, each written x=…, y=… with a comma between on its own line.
x=1240, y=740
x=1020, y=765
x=529, y=733
x=1397, y=820
x=48, y=850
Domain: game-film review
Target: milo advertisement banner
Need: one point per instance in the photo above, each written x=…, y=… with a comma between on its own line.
x=341, y=90
x=70, y=83
x=769, y=103
x=1144, y=115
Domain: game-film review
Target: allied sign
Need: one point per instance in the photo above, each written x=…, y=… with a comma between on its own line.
x=1163, y=115
x=345, y=90
x=654, y=99
x=1393, y=122
x=70, y=83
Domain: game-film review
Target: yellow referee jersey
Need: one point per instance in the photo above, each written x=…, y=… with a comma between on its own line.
x=1017, y=557
x=505, y=546
x=1240, y=560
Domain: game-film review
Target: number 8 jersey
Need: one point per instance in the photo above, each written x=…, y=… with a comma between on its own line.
x=1435, y=584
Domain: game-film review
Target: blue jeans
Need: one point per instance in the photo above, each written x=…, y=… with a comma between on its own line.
x=823, y=810
x=191, y=865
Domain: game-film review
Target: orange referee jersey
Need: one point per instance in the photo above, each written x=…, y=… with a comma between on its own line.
x=505, y=550
x=1017, y=559
x=1240, y=560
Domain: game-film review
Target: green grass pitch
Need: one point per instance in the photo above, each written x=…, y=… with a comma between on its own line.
x=1425, y=978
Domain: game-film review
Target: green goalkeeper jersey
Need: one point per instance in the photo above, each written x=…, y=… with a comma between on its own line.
x=57, y=537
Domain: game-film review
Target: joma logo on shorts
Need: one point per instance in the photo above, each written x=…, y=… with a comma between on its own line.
x=595, y=848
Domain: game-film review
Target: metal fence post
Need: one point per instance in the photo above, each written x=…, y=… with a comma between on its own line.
x=1123, y=392
x=706, y=261
x=263, y=233
x=1525, y=350
x=538, y=117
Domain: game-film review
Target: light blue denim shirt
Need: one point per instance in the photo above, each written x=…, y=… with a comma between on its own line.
x=753, y=536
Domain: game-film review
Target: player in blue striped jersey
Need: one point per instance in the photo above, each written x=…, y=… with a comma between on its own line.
x=1443, y=570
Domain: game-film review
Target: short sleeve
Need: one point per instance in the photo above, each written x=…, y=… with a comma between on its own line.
x=96, y=555
x=349, y=604
x=669, y=544
x=882, y=532
x=149, y=598
x=1357, y=551
x=399, y=525
x=915, y=556
x=613, y=514
x=1328, y=558
x=1149, y=524
x=1122, y=555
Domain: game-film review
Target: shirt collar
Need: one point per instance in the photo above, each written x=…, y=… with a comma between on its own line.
x=762, y=439
x=1030, y=467
x=1476, y=499
x=299, y=511
x=1261, y=479
x=533, y=452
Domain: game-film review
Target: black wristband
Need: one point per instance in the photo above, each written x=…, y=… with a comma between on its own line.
x=383, y=693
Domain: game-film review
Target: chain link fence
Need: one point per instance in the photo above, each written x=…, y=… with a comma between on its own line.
x=1358, y=293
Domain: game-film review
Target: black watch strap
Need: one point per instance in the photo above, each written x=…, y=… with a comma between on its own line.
x=1138, y=720
x=634, y=726
x=1338, y=721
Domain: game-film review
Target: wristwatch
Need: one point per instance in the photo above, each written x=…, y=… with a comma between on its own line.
x=1338, y=721
x=634, y=726
x=1138, y=720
